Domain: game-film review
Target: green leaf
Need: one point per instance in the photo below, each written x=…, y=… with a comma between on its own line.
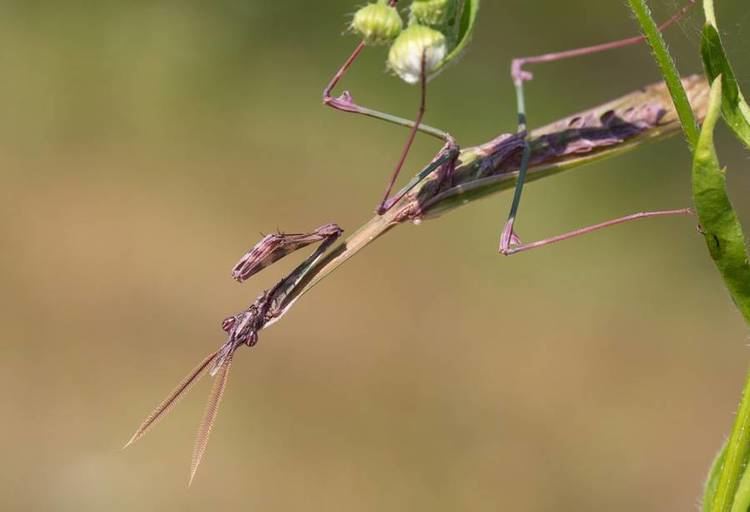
x=728, y=486
x=465, y=29
x=719, y=223
x=742, y=498
x=734, y=107
x=741, y=501
x=712, y=483
x=726, y=244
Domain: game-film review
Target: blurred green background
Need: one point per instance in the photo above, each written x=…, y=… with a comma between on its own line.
x=145, y=145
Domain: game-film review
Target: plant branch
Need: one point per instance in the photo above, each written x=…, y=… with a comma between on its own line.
x=669, y=70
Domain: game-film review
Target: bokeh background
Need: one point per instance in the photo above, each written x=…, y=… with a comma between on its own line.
x=145, y=145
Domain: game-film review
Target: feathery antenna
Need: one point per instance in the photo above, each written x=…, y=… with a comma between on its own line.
x=169, y=402
x=209, y=417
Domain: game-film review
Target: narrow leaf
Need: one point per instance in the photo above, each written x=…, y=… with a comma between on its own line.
x=465, y=30
x=734, y=108
x=712, y=483
x=719, y=222
x=742, y=498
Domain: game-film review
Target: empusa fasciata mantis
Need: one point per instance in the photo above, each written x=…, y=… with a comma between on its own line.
x=454, y=177
x=432, y=41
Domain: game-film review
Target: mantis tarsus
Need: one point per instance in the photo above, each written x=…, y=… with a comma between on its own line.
x=453, y=178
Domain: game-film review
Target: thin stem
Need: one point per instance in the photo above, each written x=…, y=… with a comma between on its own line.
x=736, y=455
x=724, y=238
x=668, y=69
x=709, y=12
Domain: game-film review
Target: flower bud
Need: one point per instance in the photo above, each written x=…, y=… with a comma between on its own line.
x=378, y=23
x=433, y=13
x=406, y=53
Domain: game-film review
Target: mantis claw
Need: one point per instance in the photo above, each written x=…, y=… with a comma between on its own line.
x=508, y=239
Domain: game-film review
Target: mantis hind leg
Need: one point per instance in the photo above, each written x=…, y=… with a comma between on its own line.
x=518, y=246
x=508, y=238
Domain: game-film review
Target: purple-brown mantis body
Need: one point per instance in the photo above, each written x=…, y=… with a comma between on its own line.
x=510, y=243
x=453, y=178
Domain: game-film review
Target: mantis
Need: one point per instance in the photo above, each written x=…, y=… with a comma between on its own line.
x=454, y=177
x=419, y=43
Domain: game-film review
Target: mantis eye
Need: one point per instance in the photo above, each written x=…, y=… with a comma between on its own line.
x=378, y=23
x=228, y=323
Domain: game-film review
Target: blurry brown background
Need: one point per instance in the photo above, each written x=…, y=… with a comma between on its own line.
x=145, y=145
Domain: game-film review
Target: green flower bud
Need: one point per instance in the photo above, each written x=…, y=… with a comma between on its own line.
x=405, y=55
x=433, y=13
x=378, y=24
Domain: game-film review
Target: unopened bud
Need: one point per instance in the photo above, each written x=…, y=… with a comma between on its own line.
x=433, y=13
x=417, y=44
x=378, y=23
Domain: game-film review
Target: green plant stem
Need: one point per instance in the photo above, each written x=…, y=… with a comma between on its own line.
x=725, y=241
x=668, y=69
x=737, y=452
x=727, y=247
x=726, y=244
x=709, y=12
